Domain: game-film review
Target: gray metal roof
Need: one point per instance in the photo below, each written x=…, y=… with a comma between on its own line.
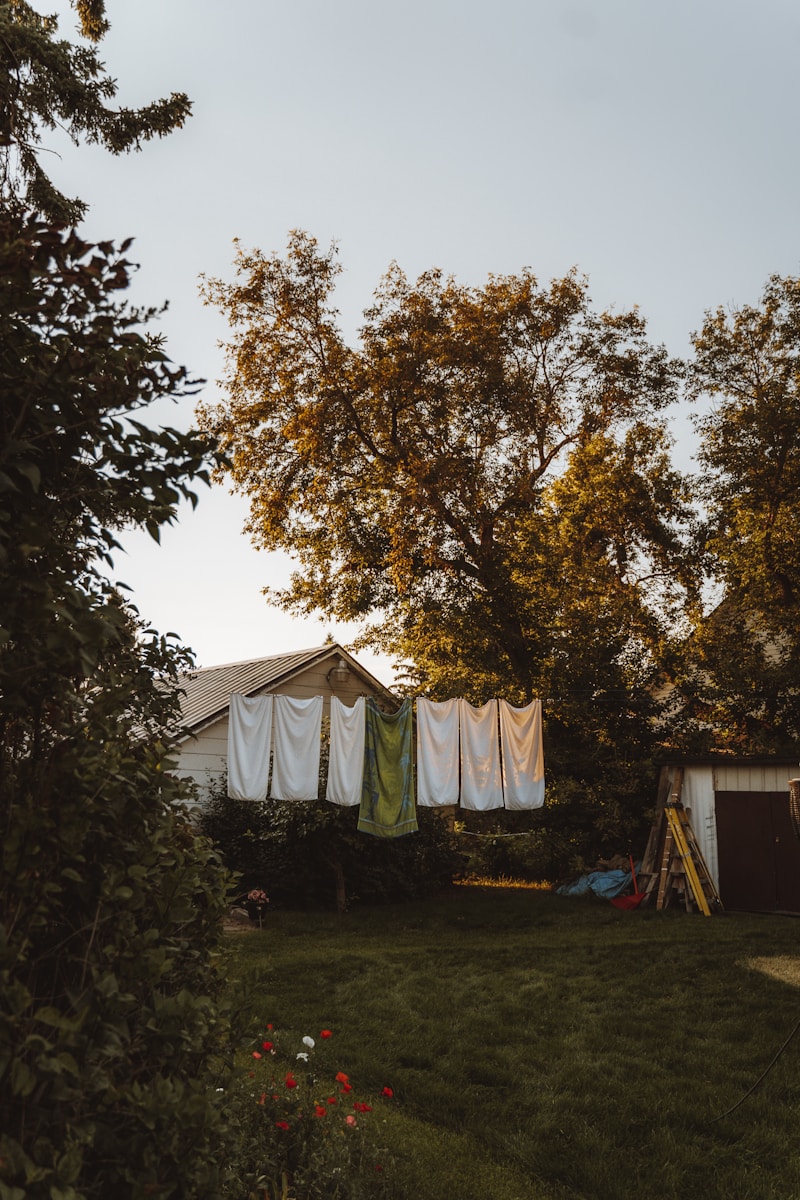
x=208, y=690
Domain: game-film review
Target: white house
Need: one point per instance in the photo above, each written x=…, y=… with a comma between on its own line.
x=325, y=671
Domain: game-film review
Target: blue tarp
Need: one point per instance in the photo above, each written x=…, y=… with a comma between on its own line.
x=605, y=884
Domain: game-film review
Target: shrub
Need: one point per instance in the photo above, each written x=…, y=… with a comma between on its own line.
x=112, y=1039
x=312, y=855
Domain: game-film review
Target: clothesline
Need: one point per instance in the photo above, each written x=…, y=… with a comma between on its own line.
x=482, y=758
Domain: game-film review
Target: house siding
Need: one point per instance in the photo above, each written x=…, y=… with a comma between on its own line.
x=203, y=756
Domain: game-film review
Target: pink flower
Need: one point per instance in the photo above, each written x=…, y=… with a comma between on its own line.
x=256, y=1054
x=325, y=1033
x=351, y=1121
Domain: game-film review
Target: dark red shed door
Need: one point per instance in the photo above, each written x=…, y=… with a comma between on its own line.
x=758, y=852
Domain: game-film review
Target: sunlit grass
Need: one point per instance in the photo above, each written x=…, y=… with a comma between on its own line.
x=503, y=881
x=543, y=1047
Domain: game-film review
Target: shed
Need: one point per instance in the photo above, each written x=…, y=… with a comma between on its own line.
x=325, y=671
x=740, y=814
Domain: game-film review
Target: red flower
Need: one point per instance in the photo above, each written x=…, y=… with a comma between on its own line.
x=270, y=1027
x=387, y=1091
x=263, y=1097
x=347, y=1087
x=290, y=1081
x=359, y=1106
x=320, y=1110
x=266, y=1045
x=325, y=1033
x=332, y=1100
x=342, y=1078
x=281, y=1124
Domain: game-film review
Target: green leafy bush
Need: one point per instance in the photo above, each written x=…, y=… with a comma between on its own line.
x=312, y=855
x=112, y=1038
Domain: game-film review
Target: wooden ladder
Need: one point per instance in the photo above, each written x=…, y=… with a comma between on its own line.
x=673, y=867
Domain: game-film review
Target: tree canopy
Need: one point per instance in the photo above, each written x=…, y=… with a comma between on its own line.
x=484, y=461
x=48, y=82
x=747, y=650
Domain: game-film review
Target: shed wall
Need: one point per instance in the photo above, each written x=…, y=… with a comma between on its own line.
x=763, y=777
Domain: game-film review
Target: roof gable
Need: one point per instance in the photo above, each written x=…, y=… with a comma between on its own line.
x=207, y=691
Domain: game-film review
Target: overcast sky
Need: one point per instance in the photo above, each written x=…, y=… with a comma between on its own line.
x=652, y=144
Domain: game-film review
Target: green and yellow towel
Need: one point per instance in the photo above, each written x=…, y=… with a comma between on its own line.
x=387, y=793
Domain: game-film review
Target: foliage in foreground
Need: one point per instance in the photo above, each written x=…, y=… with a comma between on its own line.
x=111, y=1038
x=547, y=1048
x=46, y=82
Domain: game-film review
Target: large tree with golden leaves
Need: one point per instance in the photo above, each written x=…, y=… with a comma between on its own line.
x=485, y=474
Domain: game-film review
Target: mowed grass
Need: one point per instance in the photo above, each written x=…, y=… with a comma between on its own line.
x=543, y=1047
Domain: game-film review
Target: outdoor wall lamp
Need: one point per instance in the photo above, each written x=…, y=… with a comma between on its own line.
x=338, y=675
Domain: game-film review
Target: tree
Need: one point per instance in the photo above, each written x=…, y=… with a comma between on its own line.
x=111, y=1041
x=485, y=475
x=747, y=651
x=47, y=82
x=413, y=476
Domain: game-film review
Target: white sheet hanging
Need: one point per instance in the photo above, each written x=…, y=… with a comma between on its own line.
x=249, y=737
x=346, y=762
x=523, y=756
x=481, y=781
x=437, y=752
x=297, y=731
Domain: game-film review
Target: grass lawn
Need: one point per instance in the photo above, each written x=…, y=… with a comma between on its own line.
x=542, y=1047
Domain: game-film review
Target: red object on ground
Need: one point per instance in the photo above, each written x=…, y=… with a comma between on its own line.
x=630, y=901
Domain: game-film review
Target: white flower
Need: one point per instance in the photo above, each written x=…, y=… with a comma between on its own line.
x=308, y=1041
x=303, y=1055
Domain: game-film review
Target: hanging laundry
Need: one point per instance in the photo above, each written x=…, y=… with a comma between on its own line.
x=387, y=794
x=295, y=764
x=481, y=780
x=437, y=752
x=346, y=762
x=249, y=737
x=523, y=756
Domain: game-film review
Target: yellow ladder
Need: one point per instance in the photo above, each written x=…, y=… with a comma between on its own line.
x=697, y=873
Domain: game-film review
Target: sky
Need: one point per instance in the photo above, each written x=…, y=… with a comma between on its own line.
x=653, y=144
